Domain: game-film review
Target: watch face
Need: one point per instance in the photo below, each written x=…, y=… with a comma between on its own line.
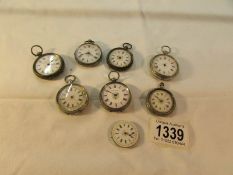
x=48, y=65
x=88, y=54
x=160, y=101
x=125, y=134
x=164, y=66
x=120, y=59
x=72, y=98
x=115, y=96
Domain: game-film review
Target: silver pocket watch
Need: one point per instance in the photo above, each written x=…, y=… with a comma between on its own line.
x=72, y=98
x=88, y=53
x=160, y=101
x=120, y=58
x=48, y=65
x=115, y=96
x=163, y=66
x=125, y=134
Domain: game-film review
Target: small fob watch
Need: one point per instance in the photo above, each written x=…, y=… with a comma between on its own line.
x=164, y=66
x=120, y=58
x=115, y=96
x=160, y=101
x=72, y=98
x=88, y=54
x=125, y=134
x=48, y=65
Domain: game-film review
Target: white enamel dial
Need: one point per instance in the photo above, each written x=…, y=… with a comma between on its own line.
x=48, y=64
x=120, y=58
x=164, y=66
x=72, y=98
x=125, y=134
x=115, y=96
x=88, y=53
x=161, y=101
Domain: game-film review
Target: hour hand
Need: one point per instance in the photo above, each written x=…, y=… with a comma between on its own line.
x=81, y=55
x=131, y=134
x=88, y=53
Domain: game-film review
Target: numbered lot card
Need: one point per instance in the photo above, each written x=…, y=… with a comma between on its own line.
x=169, y=132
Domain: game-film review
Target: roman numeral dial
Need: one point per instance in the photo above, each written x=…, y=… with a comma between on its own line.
x=125, y=134
x=47, y=65
x=72, y=98
x=160, y=101
x=88, y=53
x=120, y=58
x=164, y=66
x=115, y=96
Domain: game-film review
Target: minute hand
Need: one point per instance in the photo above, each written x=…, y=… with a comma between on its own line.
x=158, y=98
x=110, y=92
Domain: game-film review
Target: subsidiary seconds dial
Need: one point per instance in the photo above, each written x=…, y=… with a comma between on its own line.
x=88, y=54
x=115, y=96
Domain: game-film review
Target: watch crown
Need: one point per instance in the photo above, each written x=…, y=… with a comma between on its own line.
x=161, y=85
x=89, y=41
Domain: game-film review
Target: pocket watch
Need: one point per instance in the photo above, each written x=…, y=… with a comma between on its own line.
x=120, y=58
x=160, y=101
x=115, y=96
x=72, y=98
x=88, y=54
x=164, y=66
x=125, y=134
x=48, y=65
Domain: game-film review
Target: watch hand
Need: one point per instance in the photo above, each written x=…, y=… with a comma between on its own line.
x=112, y=93
x=81, y=55
x=51, y=62
x=159, y=99
x=131, y=134
x=89, y=53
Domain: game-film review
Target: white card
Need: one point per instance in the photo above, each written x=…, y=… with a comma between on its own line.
x=169, y=132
